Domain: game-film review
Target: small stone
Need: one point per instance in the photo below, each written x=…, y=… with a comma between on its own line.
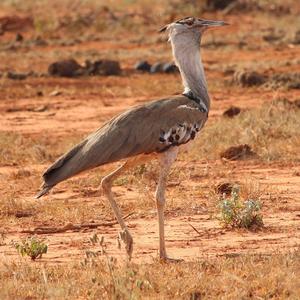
x=16, y=76
x=248, y=78
x=55, y=93
x=64, y=68
x=142, y=65
x=19, y=37
x=40, y=108
x=231, y=111
x=157, y=68
x=224, y=188
x=238, y=153
x=104, y=67
x=170, y=68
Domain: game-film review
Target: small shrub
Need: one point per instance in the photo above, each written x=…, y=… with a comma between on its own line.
x=238, y=214
x=32, y=247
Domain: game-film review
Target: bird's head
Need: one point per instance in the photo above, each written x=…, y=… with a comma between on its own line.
x=190, y=27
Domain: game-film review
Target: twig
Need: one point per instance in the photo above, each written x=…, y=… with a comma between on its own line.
x=199, y=233
x=71, y=227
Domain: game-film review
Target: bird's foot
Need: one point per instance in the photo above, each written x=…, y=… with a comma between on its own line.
x=126, y=237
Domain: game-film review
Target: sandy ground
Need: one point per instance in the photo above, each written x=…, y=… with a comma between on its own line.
x=66, y=114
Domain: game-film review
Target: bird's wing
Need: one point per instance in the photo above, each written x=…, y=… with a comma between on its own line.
x=150, y=128
x=154, y=127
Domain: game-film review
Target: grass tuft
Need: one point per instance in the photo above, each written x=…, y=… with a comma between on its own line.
x=271, y=130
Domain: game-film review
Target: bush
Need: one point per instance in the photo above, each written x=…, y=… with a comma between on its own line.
x=32, y=247
x=238, y=214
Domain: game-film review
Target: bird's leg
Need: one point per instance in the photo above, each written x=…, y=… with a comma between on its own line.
x=166, y=160
x=106, y=184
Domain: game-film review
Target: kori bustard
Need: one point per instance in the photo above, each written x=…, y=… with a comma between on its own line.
x=154, y=130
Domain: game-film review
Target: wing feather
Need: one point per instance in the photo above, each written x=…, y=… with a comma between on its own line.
x=134, y=132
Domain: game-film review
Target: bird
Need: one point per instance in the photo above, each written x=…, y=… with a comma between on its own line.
x=156, y=130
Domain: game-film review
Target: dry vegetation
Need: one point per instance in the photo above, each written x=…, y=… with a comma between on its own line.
x=243, y=277
x=43, y=116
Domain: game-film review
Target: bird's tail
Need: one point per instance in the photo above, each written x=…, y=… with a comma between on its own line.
x=44, y=190
x=65, y=167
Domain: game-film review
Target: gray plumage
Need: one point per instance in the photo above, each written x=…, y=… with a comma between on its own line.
x=154, y=129
x=126, y=135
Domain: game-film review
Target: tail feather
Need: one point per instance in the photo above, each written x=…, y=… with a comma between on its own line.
x=45, y=190
x=60, y=162
x=58, y=171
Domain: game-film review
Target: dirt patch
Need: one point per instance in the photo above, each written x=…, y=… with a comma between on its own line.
x=15, y=23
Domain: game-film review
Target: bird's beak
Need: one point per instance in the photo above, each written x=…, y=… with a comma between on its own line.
x=210, y=23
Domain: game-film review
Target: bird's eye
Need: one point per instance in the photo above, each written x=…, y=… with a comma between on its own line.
x=189, y=22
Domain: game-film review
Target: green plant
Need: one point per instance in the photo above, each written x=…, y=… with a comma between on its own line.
x=240, y=214
x=32, y=247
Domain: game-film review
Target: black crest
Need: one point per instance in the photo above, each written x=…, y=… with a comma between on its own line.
x=187, y=20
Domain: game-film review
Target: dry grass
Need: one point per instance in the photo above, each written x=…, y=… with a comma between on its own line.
x=85, y=30
x=243, y=277
x=18, y=149
x=272, y=131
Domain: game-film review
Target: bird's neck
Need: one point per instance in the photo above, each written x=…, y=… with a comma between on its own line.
x=188, y=59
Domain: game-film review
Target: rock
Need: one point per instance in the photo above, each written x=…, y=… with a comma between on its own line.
x=170, y=68
x=19, y=37
x=64, y=68
x=218, y=4
x=157, y=68
x=142, y=65
x=55, y=93
x=70, y=68
x=40, y=108
x=104, y=67
x=224, y=188
x=248, y=78
x=231, y=111
x=238, y=153
x=16, y=76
